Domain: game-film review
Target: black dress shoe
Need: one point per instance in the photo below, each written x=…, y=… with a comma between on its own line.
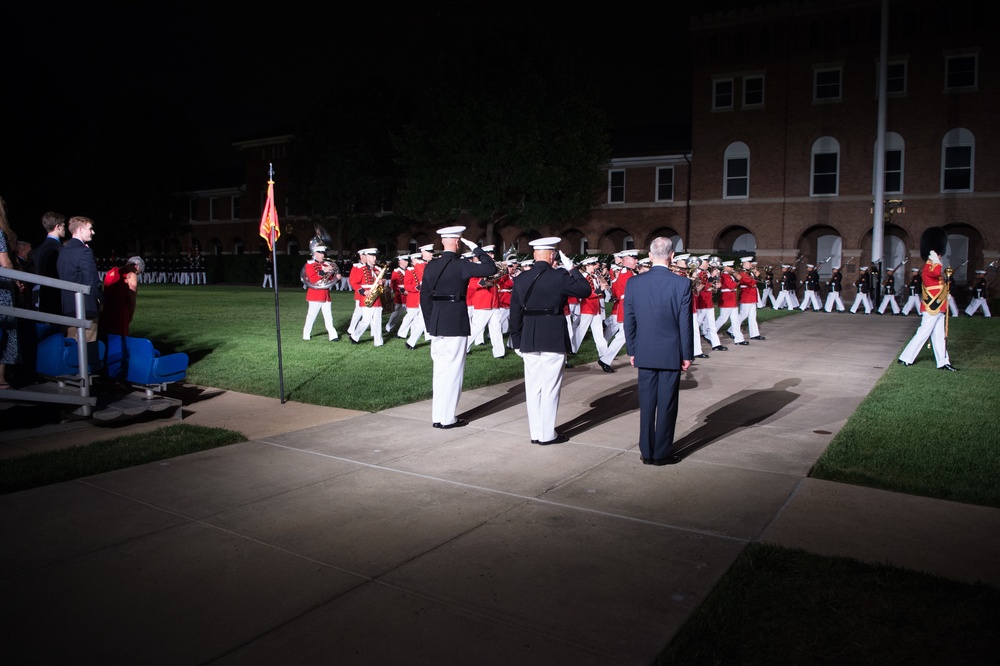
x=758, y=337
x=354, y=342
x=669, y=460
x=567, y=364
x=448, y=426
x=605, y=367
x=646, y=461
x=720, y=348
x=902, y=362
x=335, y=340
x=949, y=368
x=559, y=439
x=744, y=343
x=410, y=347
x=701, y=356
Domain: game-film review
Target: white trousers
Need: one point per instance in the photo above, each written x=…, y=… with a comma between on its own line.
x=977, y=303
x=543, y=373
x=448, y=356
x=416, y=328
x=610, y=328
x=931, y=326
x=267, y=281
x=355, y=317
x=706, y=324
x=315, y=307
x=397, y=311
x=765, y=296
x=615, y=346
x=697, y=335
x=810, y=298
x=408, y=319
x=833, y=298
x=732, y=315
x=370, y=317
x=912, y=303
x=487, y=319
x=952, y=306
x=595, y=325
x=888, y=300
x=748, y=313
x=861, y=300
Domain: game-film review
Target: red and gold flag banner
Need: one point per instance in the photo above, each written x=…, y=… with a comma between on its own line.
x=269, y=229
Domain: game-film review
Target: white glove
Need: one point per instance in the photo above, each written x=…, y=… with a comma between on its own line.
x=566, y=261
x=933, y=257
x=469, y=244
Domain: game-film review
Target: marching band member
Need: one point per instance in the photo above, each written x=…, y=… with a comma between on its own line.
x=411, y=297
x=811, y=283
x=354, y=278
x=611, y=320
x=767, y=293
x=705, y=307
x=442, y=301
x=363, y=281
x=933, y=301
x=728, y=306
x=628, y=261
x=681, y=268
x=979, y=297
x=836, y=283
x=748, y=298
x=862, y=298
x=504, y=286
x=591, y=310
x=913, y=301
x=418, y=327
x=319, y=269
x=889, y=293
x=485, y=313
x=398, y=290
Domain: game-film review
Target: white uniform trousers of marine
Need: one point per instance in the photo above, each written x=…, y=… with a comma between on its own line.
x=977, y=303
x=861, y=300
x=888, y=300
x=314, y=309
x=748, y=314
x=448, y=355
x=417, y=328
x=697, y=336
x=370, y=318
x=482, y=320
x=912, y=303
x=810, y=298
x=543, y=374
x=931, y=326
x=833, y=299
x=731, y=315
x=594, y=324
x=706, y=324
x=355, y=318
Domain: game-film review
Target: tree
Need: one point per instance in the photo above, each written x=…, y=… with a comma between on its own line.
x=522, y=147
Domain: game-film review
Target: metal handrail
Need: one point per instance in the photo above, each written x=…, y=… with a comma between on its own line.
x=80, y=322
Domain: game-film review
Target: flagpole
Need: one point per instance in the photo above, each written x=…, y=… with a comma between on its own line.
x=274, y=283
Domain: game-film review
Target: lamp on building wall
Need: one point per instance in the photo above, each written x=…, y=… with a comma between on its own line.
x=891, y=207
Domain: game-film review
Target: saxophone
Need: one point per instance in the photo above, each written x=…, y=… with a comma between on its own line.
x=374, y=294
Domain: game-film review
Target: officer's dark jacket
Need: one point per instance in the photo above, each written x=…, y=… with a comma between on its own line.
x=537, y=321
x=442, y=292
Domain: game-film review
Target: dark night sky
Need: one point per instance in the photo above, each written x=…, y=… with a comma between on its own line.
x=236, y=69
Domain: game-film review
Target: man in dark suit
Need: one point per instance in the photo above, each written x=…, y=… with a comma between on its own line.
x=76, y=264
x=538, y=331
x=442, y=303
x=659, y=340
x=45, y=257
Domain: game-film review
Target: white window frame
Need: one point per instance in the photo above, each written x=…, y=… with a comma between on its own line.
x=975, y=72
x=612, y=187
x=735, y=151
x=659, y=181
x=212, y=208
x=959, y=138
x=840, y=84
x=753, y=105
x=715, y=94
x=825, y=145
x=906, y=75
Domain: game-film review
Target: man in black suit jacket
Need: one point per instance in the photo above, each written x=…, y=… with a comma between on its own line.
x=446, y=317
x=538, y=331
x=76, y=264
x=660, y=340
x=45, y=257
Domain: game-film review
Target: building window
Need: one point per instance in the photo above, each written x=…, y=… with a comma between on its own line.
x=827, y=84
x=192, y=209
x=895, y=78
x=211, y=207
x=736, y=179
x=722, y=94
x=628, y=243
x=234, y=205
x=893, y=170
x=825, y=168
x=584, y=245
x=664, y=183
x=960, y=72
x=616, y=186
x=958, y=153
x=753, y=91
x=957, y=256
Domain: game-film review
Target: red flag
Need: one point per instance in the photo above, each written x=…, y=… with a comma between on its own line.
x=269, y=229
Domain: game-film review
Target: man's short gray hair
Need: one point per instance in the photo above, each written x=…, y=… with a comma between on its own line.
x=661, y=248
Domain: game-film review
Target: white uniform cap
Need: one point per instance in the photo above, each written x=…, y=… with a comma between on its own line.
x=704, y=257
x=915, y=270
x=319, y=248
x=630, y=253
x=746, y=259
x=681, y=257
x=403, y=256
x=863, y=268
x=645, y=261
x=468, y=255
x=527, y=262
x=728, y=263
x=415, y=255
x=810, y=265
x=512, y=261
x=588, y=261
x=451, y=232
x=426, y=248
x=547, y=243
x=977, y=272
x=368, y=250
x=488, y=248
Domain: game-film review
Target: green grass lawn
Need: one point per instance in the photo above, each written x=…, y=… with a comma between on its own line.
x=928, y=432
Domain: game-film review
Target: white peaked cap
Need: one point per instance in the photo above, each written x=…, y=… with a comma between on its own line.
x=547, y=243
x=426, y=248
x=368, y=250
x=451, y=232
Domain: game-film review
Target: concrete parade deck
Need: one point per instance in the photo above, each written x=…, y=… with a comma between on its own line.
x=344, y=537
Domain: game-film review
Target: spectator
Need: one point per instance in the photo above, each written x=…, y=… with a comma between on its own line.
x=120, y=288
x=45, y=256
x=76, y=264
x=8, y=324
